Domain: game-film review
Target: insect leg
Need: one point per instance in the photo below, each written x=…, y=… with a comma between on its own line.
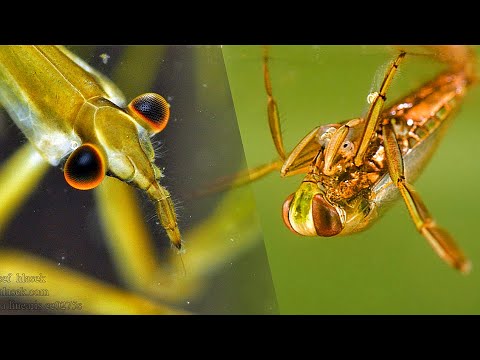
x=297, y=162
x=247, y=176
x=301, y=156
x=335, y=143
x=373, y=115
x=74, y=292
x=239, y=179
x=166, y=213
x=18, y=178
x=272, y=108
x=134, y=253
x=131, y=245
x=440, y=240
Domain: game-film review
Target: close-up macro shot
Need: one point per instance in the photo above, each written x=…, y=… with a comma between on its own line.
x=326, y=128
x=239, y=179
x=98, y=183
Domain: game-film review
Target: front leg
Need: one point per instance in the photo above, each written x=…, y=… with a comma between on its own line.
x=376, y=107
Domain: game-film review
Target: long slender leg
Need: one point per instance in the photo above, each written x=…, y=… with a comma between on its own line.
x=272, y=108
x=291, y=165
x=439, y=239
x=131, y=245
x=302, y=155
x=231, y=229
x=123, y=222
x=134, y=254
x=18, y=178
x=373, y=115
x=239, y=179
x=297, y=162
x=247, y=176
x=166, y=213
x=71, y=291
x=257, y=173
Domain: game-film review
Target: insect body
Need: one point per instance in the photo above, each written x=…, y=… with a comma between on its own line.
x=83, y=118
x=355, y=168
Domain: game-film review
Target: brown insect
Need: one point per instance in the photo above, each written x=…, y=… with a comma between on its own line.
x=354, y=168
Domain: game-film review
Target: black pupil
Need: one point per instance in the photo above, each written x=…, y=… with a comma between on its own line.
x=84, y=164
x=151, y=108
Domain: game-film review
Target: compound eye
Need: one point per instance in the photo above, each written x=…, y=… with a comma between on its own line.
x=325, y=218
x=151, y=110
x=85, y=168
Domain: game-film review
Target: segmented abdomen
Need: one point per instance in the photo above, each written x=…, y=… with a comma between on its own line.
x=419, y=114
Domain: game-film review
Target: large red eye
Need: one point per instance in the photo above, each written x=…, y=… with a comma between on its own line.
x=325, y=217
x=85, y=168
x=152, y=110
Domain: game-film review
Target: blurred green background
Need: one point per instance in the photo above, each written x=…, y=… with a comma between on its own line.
x=389, y=268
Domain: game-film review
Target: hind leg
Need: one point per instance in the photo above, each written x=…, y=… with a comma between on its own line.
x=18, y=178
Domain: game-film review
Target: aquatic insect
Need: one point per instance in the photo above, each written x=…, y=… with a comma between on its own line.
x=140, y=277
x=354, y=169
x=84, y=119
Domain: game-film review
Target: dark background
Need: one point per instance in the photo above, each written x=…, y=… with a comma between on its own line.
x=200, y=143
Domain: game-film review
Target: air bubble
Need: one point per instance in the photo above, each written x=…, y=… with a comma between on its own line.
x=371, y=97
x=105, y=57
